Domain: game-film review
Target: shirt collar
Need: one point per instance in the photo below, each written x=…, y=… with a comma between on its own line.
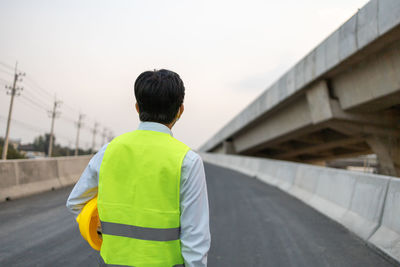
x=154, y=126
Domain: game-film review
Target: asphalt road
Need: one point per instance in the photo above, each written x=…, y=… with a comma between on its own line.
x=252, y=224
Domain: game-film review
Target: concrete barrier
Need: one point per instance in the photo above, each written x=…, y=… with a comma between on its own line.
x=249, y=165
x=267, y=172
x=30, y=171
x=69, y=167
x=305, y=183
x=285, y=175
x=245, y=166
x=366, y=204
x=8, y=175
x=365, y=211
x=333, y=192
x=387, y=237
x=20, y=178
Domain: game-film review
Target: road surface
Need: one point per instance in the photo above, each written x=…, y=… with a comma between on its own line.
x=252, y=224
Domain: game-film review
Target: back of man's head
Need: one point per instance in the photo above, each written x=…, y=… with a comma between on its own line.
x=159, y=95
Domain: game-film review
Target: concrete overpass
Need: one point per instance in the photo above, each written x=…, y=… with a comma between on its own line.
x=341, y=100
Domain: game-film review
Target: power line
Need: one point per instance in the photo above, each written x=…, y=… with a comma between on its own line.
x=37, y=99
x=39, y=87
x=29, y=104
x=71, y=108
x=25, y=125
x=47, y=94
x=31, y=83
x=38, y=90
x=67, y=119
x=34, y=103
x=9, y=73
x=63, y=138
x=7, y=66
x=34, y=128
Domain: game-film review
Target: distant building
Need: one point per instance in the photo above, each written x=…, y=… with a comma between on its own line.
x=29, y=151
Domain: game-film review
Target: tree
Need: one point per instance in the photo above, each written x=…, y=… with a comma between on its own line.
x=41, y=143
x=12, y=153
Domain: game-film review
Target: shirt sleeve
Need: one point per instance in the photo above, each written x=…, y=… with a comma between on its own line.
x=195, y=230
x=86, y=187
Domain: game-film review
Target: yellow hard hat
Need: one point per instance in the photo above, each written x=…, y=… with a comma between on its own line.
x=89, y=222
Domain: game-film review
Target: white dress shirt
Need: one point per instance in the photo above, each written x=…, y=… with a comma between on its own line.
x=195, y=231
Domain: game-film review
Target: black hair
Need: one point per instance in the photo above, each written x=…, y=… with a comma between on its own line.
x=159, y=94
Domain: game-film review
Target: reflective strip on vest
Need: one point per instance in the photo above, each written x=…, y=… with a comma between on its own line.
x=144, y=233
x=113, y=265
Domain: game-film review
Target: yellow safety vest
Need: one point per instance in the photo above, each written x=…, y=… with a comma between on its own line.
x=138, y=200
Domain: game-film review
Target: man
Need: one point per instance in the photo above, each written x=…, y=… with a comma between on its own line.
x=151, y=188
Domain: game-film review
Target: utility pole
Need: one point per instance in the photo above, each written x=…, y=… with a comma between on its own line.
x=53, y=115
x=79, y=124
x=104, y=135
x=14, y=90
x=110, y=136
x=68, y=148
x=94, y=131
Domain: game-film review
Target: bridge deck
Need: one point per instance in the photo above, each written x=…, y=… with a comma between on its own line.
x=252, y=224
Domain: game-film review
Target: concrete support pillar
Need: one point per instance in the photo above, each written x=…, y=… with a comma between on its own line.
x=319, y=102
x=387, y=150
x=228, y=147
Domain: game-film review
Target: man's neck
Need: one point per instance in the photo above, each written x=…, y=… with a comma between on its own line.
x=171, y=124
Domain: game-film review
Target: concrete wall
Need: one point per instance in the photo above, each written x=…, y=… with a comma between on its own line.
x=366, y=204
x=25, y=177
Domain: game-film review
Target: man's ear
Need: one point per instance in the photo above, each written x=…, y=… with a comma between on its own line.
x=137, y=107
x=181, y=109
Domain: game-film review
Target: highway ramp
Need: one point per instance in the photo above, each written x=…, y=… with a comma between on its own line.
x=252, y=224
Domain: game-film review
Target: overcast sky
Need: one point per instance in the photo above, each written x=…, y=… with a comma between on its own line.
x=89, y=54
